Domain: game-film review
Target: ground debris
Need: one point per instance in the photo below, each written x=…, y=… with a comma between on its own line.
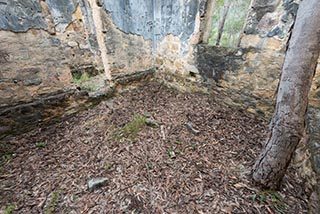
x=192, y=129
x=161, y=170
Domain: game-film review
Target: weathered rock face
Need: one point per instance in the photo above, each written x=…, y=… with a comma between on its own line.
x=154, y=19
x=51, y=41
x=254, y=69
x=126, y=53
x=61, y=12
x=19, y=16
x=170, y=27
x=269, y=24
x=255, y=66
x=58, y=37
x=52, y=47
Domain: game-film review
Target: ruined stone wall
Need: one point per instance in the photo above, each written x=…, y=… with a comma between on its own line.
x=54, y=48
x=255, y=66
x=253, y=70
x=171, y=27
x=266, y=36
x=41, y=42
x=262, y=50
x=266, y=33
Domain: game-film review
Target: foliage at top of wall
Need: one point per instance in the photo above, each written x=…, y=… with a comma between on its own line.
x=234, y=22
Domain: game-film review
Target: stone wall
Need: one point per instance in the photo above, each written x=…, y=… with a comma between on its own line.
x=41, y=45
x=253, y=70
x=255, y=66
x=260, y=56
x=174, y=53
x=266, y=33
x=52, y=48
x=171, y=27
x=56, y=55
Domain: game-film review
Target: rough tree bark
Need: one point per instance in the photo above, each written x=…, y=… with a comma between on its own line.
x=208, y=21
x=287, y=125
x=223, y=21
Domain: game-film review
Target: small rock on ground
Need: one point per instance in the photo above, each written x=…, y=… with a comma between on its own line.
x=97, y=182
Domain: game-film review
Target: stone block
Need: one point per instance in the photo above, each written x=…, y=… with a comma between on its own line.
x=73, y=44
x=316, y=163
x=273, y=44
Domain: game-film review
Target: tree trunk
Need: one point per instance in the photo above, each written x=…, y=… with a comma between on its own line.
x=223, y=21
x=208, y=21
x=287, y=125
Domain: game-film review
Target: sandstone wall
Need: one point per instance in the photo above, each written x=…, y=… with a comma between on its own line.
x=254, y=70
x=262, y=50
x=52, y=49
x=255, y=66
x=41, y=42
x=170, y=27
x=266, y=33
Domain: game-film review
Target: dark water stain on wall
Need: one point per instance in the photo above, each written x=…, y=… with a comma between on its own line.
x=213, y=61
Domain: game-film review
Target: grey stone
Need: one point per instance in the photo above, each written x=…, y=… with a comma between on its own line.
x=291, y=7
x=190, y=127
x=55, y=42
x=317, y=163
x=73, y=44
x=276, y=32
x=61, y=11
x=151, y=122
x=35, y=80
x=21, y=15
x=97, y=182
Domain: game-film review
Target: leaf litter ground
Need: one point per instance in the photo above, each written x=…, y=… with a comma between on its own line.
x=168, y=168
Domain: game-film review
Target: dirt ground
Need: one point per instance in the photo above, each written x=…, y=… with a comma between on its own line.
x=162, y=166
